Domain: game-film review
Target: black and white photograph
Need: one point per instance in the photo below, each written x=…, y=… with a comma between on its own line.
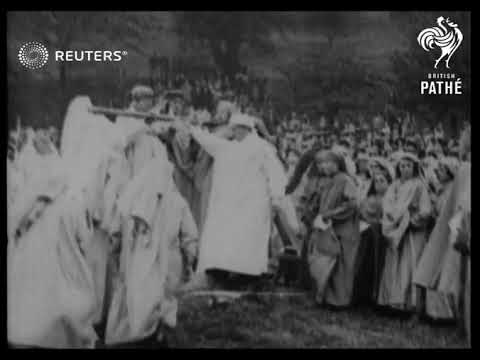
x=238, y=179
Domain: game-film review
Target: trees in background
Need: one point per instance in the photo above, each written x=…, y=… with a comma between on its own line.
x=335, y=74
x=335, y=24
x=344, y=85
x=225, y=32
x=336, y=77
x=330, y=72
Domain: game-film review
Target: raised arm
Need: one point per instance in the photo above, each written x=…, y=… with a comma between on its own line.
x=262, y=129
x=212, y=144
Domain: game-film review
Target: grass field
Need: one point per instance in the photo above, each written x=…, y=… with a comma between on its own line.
x=299, y=323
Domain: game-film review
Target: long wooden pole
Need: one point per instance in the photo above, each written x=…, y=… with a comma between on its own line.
x=129, y=113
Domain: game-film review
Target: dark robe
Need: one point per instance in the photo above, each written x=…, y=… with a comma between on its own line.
x=335, y=252
x=183, y=173
x=371, y=252
x=202, y=182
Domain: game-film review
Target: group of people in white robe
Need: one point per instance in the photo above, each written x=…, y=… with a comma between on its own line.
x=99, y=233
x=107, y=234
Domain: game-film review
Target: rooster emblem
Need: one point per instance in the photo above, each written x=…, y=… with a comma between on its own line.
x=447, y=38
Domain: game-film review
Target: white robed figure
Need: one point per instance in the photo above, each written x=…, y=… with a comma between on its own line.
x=52, y=300
x=37, y=157
x=247, y=179
x=154, y=216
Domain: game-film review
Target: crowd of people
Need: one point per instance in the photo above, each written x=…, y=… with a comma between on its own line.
x=110, y=226
x=203, y=90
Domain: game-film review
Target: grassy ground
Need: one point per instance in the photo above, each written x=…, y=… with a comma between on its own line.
x=299, y=323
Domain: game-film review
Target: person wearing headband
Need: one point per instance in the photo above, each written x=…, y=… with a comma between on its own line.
x=142, y=98
x=333, y=270
x=373, y=244
x=141, y=101
x=406, y=211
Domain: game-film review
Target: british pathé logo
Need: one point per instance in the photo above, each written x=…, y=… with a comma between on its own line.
x=441, y=84
x=447, y=37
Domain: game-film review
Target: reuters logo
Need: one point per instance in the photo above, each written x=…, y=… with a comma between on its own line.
x=33, y=55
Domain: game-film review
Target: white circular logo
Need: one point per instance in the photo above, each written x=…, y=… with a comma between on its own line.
x=33, y=55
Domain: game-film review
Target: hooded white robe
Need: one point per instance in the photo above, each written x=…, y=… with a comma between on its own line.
x=51, y=297
x=150, y=263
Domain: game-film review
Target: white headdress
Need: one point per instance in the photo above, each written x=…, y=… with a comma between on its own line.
x=142, y=90
x=384, y=164
x=243, y=120
x=225, y=106
x=451, y=163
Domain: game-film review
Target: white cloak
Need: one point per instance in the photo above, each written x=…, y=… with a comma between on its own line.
x=51, y=295
x=246, y=175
